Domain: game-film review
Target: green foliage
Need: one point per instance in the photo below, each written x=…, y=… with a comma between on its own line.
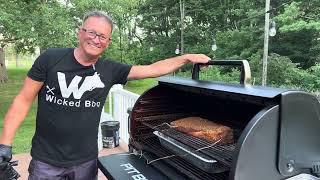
x=314, y=80
x=214, y=73
x=297, y=16
x=229, y=46
x=31, y=24
x=299, y=28
x=283, y=73
x=280, y=70
x=238, y=26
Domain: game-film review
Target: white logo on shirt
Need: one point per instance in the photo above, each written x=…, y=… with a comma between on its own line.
x=50, y=90
x=89, y=84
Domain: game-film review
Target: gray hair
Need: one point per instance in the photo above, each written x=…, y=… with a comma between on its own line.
x=99, y=14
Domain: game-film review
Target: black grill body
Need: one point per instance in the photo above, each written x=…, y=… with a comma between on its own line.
x=276, y=130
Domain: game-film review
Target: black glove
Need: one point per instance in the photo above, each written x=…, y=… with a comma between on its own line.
x=7, y=172
x=5, y=153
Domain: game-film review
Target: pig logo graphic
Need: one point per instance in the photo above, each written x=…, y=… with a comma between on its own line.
x=90, y=83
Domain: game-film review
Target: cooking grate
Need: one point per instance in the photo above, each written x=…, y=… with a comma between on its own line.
x=222, y=153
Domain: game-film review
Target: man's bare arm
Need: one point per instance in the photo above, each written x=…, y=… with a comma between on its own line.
x=19, y=109
x=166, y=66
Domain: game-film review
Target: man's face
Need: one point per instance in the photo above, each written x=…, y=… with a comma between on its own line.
x=94, y=36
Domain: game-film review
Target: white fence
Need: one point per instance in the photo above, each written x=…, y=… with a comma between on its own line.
x=119, y=102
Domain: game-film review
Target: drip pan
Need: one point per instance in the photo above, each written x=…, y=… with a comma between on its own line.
x=196, y=158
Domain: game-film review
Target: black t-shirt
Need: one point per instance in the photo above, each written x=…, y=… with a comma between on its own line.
x=70, y=104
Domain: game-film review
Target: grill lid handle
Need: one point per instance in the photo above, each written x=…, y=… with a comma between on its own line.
x=245, y=74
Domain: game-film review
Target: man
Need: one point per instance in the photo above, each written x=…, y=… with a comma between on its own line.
x=72, y=85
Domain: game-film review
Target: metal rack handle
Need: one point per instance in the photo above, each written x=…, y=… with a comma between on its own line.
x=245, y=74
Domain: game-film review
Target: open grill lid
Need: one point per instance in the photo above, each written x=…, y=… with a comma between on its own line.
x=244, y=88
x=249, y=90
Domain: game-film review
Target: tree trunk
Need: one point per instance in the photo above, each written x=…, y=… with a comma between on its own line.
x=17, y=59
x=3, y=70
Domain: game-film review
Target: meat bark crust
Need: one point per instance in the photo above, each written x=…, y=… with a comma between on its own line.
x=204, y=129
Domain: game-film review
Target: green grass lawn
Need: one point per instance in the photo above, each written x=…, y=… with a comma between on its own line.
x=8, y=91
x=139, y=86
x=22, y=141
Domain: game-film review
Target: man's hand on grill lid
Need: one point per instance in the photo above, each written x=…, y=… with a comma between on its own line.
x=196, y=58
x=199, y=58
x=5, y=153
x=166, y=66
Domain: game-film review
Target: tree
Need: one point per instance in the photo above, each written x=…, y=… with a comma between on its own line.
x=299, y=26
x=140, y=25
x=52, y=23
x=3, y=72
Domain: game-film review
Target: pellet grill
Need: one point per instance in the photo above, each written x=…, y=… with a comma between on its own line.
x=276, y=132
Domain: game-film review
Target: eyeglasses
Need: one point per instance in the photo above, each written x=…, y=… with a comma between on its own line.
x=92, y=34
